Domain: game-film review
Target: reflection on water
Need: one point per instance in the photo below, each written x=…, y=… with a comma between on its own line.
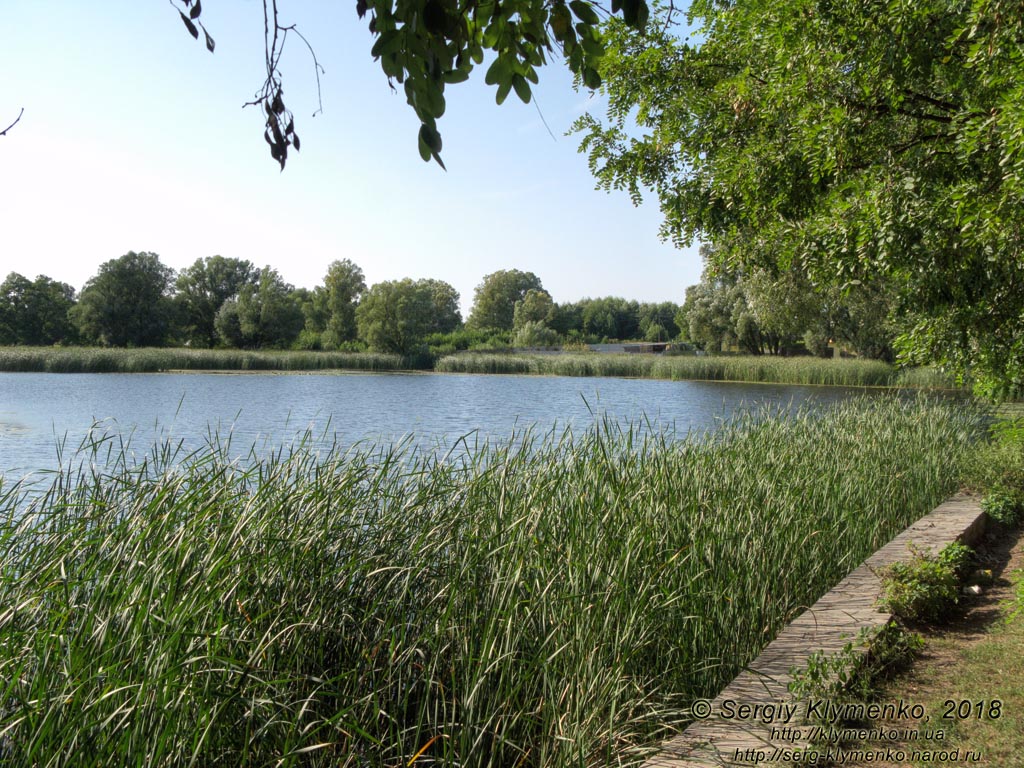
x=10, y=427
x=39, y=412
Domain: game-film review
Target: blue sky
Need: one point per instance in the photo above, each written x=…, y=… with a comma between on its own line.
x=134, y=138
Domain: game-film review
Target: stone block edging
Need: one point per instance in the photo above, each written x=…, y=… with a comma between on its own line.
x=828, y=625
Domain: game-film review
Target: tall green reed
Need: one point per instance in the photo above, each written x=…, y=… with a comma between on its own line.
x=799, y=370
x=149, y=360
x=551, y=601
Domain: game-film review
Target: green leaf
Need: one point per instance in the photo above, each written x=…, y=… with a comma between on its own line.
x=425, y=152
x=456, y=76
x=561, y=22
x=491, y=34
x=498, y=72
x=522, y=88
x=576, y=59
x=635, y=13
x=430, y=137
x=592, y=46
x=503, y=91
x=639, y=20
x=390, y=41
x=189, y=25
x=584, y=12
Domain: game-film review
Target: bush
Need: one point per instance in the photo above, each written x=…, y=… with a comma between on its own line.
x=851, y=675
x=308, y=340
x=535, y=334
x=1004, y=505
x=927, y=586
x=957, y=557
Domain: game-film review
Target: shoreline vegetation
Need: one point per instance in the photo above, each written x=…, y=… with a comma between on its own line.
x=741, y=368
x=552, y=601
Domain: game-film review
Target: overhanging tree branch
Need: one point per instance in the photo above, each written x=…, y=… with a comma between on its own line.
x=16, y=121
x=428, y=44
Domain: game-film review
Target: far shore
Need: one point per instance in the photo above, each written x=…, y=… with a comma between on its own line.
x=738, y=369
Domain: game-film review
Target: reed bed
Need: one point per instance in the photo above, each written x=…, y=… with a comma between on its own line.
x=778, y=370
x=555, y=600
x=149, y=360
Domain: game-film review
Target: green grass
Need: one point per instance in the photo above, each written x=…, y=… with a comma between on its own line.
x=780, y=370
x=993, y=668
x=553, y=601
x=148, y=360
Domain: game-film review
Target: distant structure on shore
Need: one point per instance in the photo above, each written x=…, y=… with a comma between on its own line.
x=638, y=347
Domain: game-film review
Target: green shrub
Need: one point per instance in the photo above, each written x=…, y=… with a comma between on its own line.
x=926, y=587
x=957, y=557
x=851, y=674
x=1004, y=505
x=535, y=334
x=307, y=340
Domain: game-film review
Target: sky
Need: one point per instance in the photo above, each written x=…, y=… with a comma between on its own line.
x=134, y=138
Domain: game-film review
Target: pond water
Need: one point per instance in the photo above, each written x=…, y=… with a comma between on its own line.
x=38, y=412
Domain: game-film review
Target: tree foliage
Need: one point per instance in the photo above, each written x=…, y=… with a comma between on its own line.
x=771, y=312
x=657, y=322
x=202, y=289
x=397, y=315
x=426, y=45
x=858, y=142
x=127, y=303
x=536, y=306
x=36, y=311
x=611, y=317
x=267, y=314
x=445, y=302
x=716, y=316
x=343, y=285
x=534, y=333
x=494, y=300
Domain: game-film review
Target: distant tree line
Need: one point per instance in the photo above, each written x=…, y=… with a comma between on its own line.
x=767, y=311
x=136, y=301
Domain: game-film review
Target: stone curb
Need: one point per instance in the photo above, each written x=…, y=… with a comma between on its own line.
x=828, y=626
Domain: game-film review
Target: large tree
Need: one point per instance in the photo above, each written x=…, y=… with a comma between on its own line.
x=860, y=142
x=657, y=322
x=536, y=306
x=127, y=303
x=611, y=317
x=35, y=311
x=202, y=289
x=267, y=314
x=397, y=315
x=343, y=285
x=494, y=300
x=445, y=302
x=716, y=316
